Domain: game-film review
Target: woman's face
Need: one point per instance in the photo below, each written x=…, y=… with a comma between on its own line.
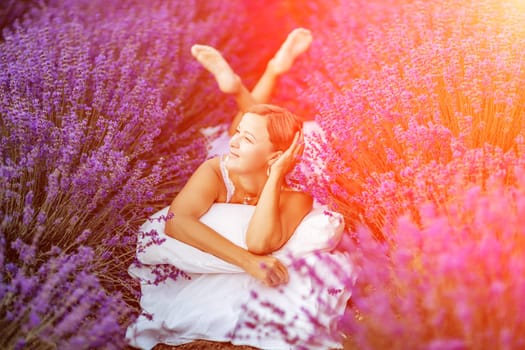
x=250, y=146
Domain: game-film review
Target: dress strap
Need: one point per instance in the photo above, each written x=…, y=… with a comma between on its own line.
x=230, y=188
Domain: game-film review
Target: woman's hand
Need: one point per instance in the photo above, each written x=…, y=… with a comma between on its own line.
x=267, y=269
x=288, y=158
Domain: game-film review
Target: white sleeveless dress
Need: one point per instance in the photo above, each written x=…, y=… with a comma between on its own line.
x=226, y=304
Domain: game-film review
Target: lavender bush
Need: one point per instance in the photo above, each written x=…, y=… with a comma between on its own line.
x=13, y=10
x=418, y=89
x=100, y=107
x=453, y=280
x=422, y=108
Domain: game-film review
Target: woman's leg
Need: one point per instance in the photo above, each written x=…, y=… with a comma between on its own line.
x=228, y=81
x=297, y=42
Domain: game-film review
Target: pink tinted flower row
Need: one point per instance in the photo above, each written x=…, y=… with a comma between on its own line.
x=421, y=105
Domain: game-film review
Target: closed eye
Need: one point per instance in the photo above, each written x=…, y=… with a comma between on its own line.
x=248, y=137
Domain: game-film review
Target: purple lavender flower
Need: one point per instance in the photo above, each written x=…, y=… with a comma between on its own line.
x=101, y=105
x=423, y=155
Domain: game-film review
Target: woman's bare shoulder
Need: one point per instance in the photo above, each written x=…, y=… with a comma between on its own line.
x=213, y=164
x=294, y=197
x=206, y=177
x=202, y=189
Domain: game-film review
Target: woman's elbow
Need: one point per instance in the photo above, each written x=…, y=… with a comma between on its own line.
x=260, y=246
x=170, y=227
x=168, y=230
x=257, y=249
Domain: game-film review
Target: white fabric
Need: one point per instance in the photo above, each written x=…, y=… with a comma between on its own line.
x=220, y=302
x=230, y=188
x=320, y=230
x=220, y=142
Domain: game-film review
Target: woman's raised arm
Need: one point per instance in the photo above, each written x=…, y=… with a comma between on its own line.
x=278, y=212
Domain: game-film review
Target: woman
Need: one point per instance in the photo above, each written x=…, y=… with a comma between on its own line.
x=236, y=214
x=252, y=173
x=266, y=143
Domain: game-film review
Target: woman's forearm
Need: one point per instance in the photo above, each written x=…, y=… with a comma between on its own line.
x=191, y=231
x=264, y=232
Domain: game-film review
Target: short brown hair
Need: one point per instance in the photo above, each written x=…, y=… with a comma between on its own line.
x=282, y=124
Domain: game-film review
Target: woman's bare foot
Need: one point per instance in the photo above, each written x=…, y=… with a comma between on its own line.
x=212, y=60
x=297, y=42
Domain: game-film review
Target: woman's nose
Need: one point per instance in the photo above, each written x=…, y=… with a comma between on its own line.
x=234, y=141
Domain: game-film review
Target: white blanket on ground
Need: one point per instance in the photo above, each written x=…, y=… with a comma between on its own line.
x=219, y=302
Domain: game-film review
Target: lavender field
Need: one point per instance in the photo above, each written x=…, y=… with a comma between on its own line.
x=422, y=105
